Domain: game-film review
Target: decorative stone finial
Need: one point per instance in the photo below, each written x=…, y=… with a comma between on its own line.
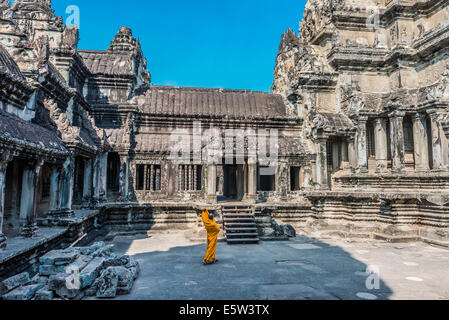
x=123, y=41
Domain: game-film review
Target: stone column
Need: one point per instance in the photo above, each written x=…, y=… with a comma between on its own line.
x=437, y=146
x=352, y=154
x=55, y=188
x=344, y=155
x=307, y=181
x=362, y=155
x=335, y=149
x=282, y=178
x=103, y=171
x=87, y=187
x=124, y=178
x=5, y=157
x=252, y=181
x=380, y=133
x=127, y=174
x=397, y=142
x=212, y=183
x=67, y=182
x=96, y=179
x=321, y=164
x=240, y=181
x=421, y=143
x=30, y=193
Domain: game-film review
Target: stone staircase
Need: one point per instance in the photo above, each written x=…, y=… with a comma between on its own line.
x=240, y=224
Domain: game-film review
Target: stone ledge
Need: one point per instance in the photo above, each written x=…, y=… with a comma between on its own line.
x=18, y=246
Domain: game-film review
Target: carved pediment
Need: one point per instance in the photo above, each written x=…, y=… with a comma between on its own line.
x=30, y=15
x=352, y=100
x=317, y=15
x=440, y=90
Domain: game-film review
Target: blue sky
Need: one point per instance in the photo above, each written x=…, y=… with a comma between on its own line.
x=225, y=44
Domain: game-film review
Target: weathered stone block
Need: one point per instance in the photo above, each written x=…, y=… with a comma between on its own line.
x=134, y=267
x=94, y=247
x=79, y=264
x=44, y=295
x=91, y=272
x=289, y=231
x=117, y=262
x=23, y=293
x=50, y=270
x=90, y=292
x=97, y=245
x=65, y=285
x=14, y=282
x=135, y=271
x=39, y=279
x=104, y=251
x=107, y=284
x=125, y=279
x=59, y=257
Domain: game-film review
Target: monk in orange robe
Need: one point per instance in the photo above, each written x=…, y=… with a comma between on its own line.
x=212, y=237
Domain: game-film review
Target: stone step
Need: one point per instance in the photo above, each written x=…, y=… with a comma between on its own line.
x=240, y=225
x=236, y=209
x=242, y=235
x=236, y=215
x=243, y=241
x=248, y=219
x=234, y=230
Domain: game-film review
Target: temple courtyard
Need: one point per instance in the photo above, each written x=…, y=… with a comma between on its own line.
x=317, y=268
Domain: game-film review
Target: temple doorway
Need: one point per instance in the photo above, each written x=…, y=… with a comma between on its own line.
x=113, y=176
x=230, y=182
x=78, y=185
x=13, y=195
x=231, y=186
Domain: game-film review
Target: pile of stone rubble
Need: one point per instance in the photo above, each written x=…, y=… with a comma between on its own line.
x=286, y=230
x=73, y=274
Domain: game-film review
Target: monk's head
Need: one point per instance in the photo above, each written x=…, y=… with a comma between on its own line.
x=211, y=216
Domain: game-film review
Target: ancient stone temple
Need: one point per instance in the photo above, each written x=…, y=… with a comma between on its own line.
x=354, y=133
x=369, y=78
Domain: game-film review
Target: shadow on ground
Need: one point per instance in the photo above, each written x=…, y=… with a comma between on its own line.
x=303, y=268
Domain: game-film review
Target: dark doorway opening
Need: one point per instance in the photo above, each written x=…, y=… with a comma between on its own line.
x=44, y=189
x=230, y=181
x=13, y=195
x=266, y=179
x=113, y=174
x=295, y=178
x=78, y=185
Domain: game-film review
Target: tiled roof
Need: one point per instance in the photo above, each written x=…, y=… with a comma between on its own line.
x=202, y=102
x=29, y=135
x=162, y=143
x=107, y=62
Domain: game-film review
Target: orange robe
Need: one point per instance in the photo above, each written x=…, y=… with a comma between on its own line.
x=212, y=236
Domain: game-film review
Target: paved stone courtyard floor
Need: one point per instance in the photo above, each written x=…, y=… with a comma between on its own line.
x=303, y=268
